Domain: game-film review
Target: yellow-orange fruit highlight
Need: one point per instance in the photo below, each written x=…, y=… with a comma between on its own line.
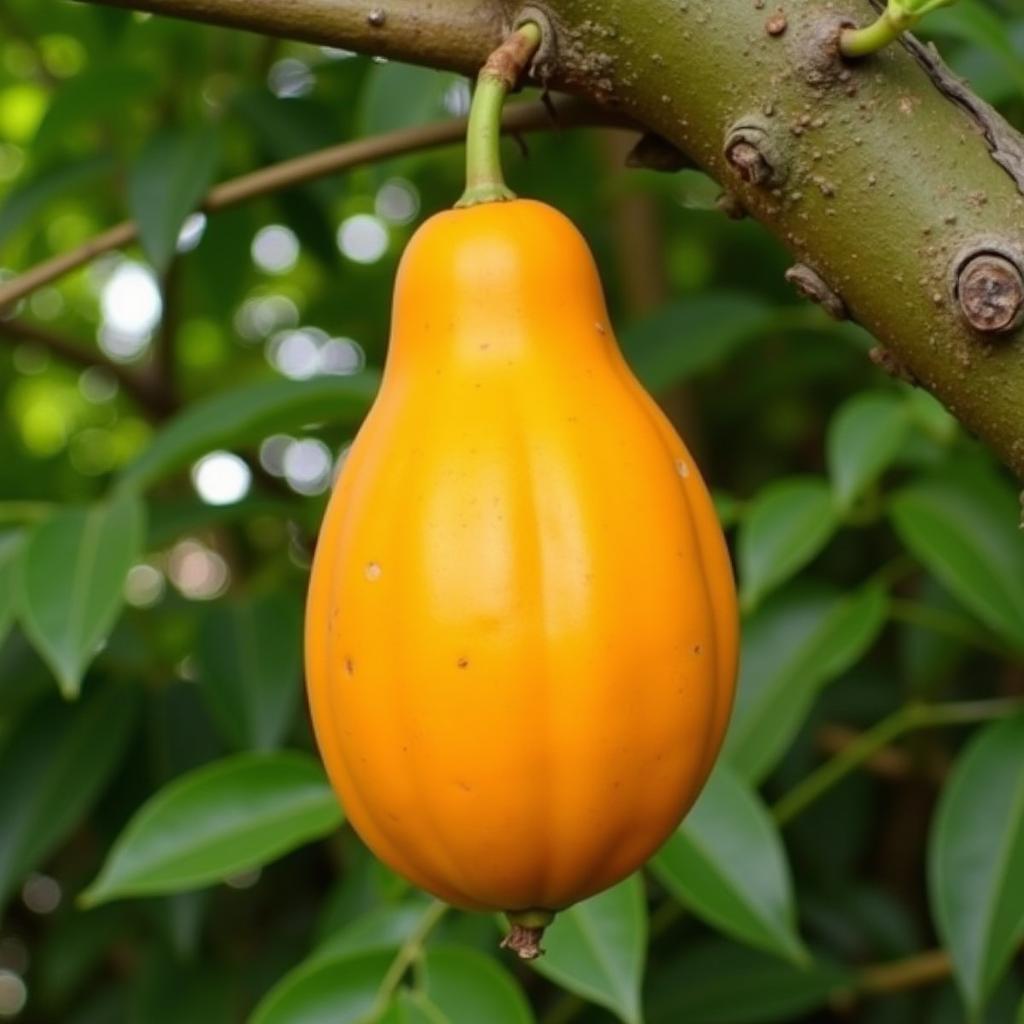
x=521, y=628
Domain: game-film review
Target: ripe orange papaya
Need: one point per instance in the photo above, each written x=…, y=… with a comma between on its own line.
x=522, y=625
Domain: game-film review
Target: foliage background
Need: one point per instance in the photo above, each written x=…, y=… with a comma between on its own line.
x=860, y=853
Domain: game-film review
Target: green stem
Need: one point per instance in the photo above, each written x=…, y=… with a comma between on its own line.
x=906, y=719
x=409, y=952
x=860, y=42
x=485, y=180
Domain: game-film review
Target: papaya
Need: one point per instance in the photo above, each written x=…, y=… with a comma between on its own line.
x=521, y=636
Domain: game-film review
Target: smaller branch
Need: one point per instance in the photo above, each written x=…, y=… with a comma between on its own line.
x=913, y=972
x=407, y=954
x=887, y=762
x=868, y=744
x=151, y=399
x=522, y=117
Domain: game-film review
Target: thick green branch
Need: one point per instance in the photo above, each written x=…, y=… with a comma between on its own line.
x=897, y=188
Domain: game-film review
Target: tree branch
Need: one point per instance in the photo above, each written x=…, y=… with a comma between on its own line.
x=453, y=34
x=883, y=175
x=520, y=117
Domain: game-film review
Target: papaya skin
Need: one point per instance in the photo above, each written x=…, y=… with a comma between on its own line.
x=521, y=636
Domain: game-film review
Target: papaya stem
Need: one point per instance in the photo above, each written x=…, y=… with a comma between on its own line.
x=898, y=17
x=485, y=181
x=527, y=929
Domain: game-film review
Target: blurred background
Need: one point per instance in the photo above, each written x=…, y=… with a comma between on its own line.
x=211, y=380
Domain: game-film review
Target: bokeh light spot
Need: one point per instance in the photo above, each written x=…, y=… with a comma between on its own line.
x=221, y=478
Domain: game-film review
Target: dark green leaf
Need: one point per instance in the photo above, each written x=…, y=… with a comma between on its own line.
x=469, y=987
x=412, y=1007
x=71, y=575
x=249, y=658
x=864, y=437
x=27, y=202
x=800, y=640
x=245, y=415
x=727, y=863
x=401, y=95
x=51, y=772
x=287, y=127
x=692, y=336
x=975, y=22
x=382, y=928
x=99, y=93
x=230, y=816
x=170, y=177
x=73, y=950
x=976, y=859
x=964, y=526
x=10, y=546
x=720, y=983
x=171, y=993
x=338, y=990
x=783, y=528
x=597, y=948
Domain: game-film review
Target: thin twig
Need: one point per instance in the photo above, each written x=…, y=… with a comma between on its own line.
x=521, y=117
x=906, y=719
x=913, y=972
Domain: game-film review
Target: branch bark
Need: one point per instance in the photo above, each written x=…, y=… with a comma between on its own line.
x=881, y=175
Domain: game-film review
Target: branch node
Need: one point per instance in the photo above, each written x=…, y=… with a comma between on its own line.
x=811, y=285
x=988, y=284
x=752, y=152
x=886, y=360
x=377, y=17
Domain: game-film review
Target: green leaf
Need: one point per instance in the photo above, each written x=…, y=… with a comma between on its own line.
x=412, y=1007
x=71, y=576
x=963, y=525
x=335, y=990
x=230, y=816
x=246, y=415
x=249, y=659
x=785, y=526
x=381, y=928
x=469, y=987
x=726, y=862
x=402, y=95
x=168, y=992
x=10, y=546
x=52, y=770
x=796, y=643
x=975, y=22
x=717, y=982
x=976, y=859
x=864, y=438
x=99, y=93
x=170, y=177
x=692, y=336
x=24, y=204
x=597, y=948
